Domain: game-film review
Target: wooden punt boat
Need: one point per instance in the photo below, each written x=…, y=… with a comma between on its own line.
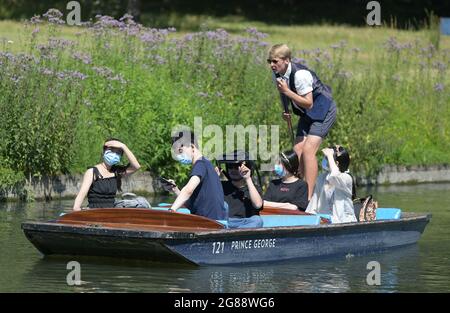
x=158, y=235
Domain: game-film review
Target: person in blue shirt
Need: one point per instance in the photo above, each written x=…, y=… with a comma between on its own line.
x=203, y=193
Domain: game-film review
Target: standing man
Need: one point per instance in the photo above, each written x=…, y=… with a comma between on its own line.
x=311, y=100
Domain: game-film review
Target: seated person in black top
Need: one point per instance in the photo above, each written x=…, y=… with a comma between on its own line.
x=289, y=191
x=101, y=182
x=241, y=194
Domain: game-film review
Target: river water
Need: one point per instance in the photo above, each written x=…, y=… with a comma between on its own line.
x=423, y=267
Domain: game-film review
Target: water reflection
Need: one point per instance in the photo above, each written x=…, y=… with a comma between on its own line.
x=422, y=267
x=398, y=268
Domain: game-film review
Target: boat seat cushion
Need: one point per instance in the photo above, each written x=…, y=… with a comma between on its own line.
x=289, y=220
x=388, y=214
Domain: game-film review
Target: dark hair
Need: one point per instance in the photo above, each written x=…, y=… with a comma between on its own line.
x=184, y=138
x=289, y=159
x=119, y=170
x=111, y=139
x=237, y=157
x=342, y=156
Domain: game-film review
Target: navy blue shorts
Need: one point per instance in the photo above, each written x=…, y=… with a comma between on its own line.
x=307, y=126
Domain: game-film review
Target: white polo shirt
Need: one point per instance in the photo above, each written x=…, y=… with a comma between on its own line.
x=303, y=80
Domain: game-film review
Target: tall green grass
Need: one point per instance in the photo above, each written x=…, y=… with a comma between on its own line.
x=64, y=90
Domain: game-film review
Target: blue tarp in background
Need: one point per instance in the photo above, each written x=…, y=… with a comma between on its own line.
x=445, y=25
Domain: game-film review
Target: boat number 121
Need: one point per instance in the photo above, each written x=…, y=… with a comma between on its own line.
x=218, y=247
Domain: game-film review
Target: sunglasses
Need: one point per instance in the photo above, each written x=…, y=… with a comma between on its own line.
x=235, y=165
x=269, y=61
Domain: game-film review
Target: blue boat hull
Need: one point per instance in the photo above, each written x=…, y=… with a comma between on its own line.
x=227, y=246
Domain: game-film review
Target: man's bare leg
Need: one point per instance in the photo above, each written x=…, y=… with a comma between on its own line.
x=311, y=145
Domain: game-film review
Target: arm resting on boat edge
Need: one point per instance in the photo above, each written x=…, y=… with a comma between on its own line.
x=185, y=193
x=280, y=205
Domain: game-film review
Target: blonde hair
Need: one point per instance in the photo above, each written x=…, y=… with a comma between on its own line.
x=281, y=51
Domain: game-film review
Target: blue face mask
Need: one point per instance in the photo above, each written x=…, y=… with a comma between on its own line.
x=111, y=158
x=184, y=159
x=325, y=166
x=279, y=170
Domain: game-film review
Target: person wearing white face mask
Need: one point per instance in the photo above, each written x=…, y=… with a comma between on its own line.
x=101, y=182
x=289, y=191
x=335, y=189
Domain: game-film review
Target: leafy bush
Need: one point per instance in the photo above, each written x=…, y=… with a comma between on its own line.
x=61, y=98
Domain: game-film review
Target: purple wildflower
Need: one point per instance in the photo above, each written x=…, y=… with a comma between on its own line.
x=160, y=60
x=83, y=57
x=103, y=71
x=16, y=79
x=132, y=30
x=105, y=21
x=393, y=45
x=60, y=43
x=118, y=78
x=299, y=60
x=26, y=58
x=53, y=16
x=439, y=87
x=36, y=19
x=47, y=71
x=317, y=51
x=77, y=75
x=441, y=66
x=304, y=52
x=252, y=31
x=154, y=36
x=128, y=19
x=7, y=55
x=61, y=75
